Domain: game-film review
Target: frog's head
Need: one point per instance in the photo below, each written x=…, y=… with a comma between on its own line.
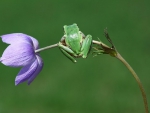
x=70, y=29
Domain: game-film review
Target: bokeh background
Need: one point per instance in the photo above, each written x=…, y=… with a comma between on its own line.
x=94, y=85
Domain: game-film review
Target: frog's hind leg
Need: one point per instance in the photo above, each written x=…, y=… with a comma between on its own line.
x=68, y=55
x=87, y=42
x=65, y=50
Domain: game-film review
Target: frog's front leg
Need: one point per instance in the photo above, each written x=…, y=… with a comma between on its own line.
x=83, y=36
x=86, y=46
x=65, y=50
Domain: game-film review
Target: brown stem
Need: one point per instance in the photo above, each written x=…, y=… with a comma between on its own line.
x=118, y=56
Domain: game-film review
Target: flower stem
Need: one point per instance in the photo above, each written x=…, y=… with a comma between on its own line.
x=45, y=48
x=118, y=56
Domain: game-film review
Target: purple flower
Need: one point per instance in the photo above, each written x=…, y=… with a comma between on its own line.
x=21, y=53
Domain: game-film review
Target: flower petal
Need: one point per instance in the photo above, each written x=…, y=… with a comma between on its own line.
x=29, y=72
x=35, y=43
x=38, y=70
x=26, y=72
x=19, y=54
x=16, y=38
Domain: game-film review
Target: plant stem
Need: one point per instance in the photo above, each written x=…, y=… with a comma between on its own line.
x=99, y=43
x=118, y=56
x=45, y=48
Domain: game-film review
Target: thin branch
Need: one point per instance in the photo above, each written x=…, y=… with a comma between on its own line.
x=100, y=43
x=45, y=48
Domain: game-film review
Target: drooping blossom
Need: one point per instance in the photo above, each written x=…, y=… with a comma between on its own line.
x=21, y=53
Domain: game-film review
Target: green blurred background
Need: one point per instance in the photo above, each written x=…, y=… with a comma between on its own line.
x=94, y=85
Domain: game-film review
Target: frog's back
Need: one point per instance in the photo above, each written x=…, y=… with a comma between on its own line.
x=71, y=29
x=73, y=37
